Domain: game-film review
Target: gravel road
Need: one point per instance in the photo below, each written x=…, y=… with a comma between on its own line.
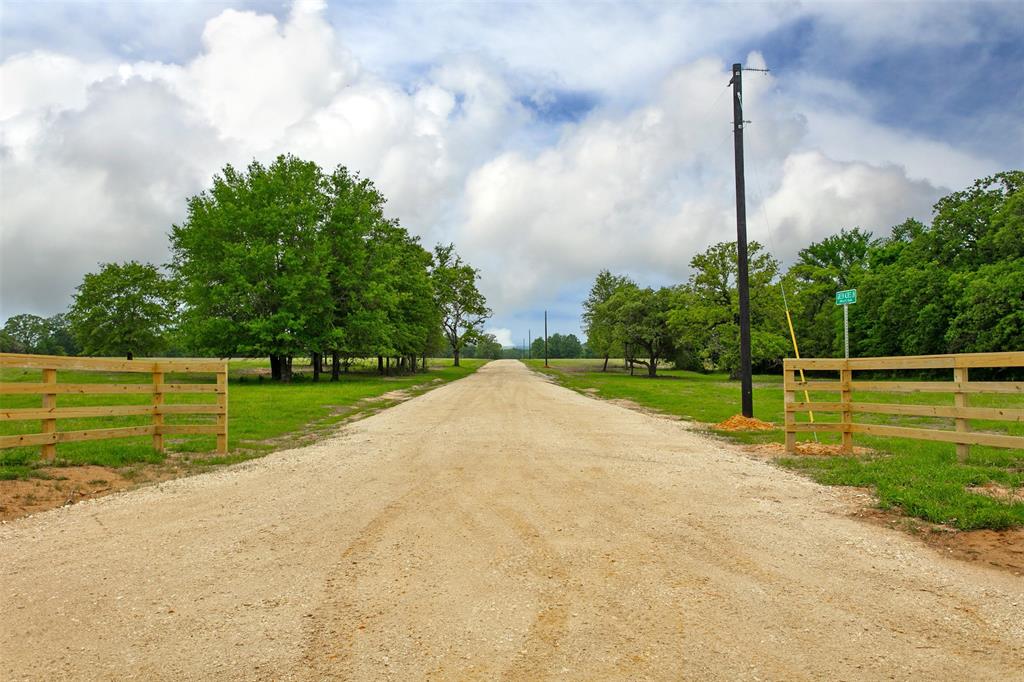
x=496, y=527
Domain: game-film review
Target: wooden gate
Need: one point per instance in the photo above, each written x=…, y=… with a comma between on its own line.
x=50, y=388
x=959, y=385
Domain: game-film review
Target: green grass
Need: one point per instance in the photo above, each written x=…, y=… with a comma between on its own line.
x=262, y=415
x=919, y=478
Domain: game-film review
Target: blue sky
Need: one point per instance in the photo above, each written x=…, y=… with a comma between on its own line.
x=548, y=140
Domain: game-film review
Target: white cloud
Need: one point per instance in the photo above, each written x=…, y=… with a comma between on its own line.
x=502, y=334
x=437, y=105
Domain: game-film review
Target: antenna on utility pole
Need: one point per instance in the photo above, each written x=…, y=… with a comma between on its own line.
x=746, y=378
x=545, y=338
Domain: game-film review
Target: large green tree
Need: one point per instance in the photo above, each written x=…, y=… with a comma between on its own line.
x=256, y=276
x=705, y=314
x=835, y=263
x=463, y=309
x=598, y=322
x=641, y=317
x=124, y=309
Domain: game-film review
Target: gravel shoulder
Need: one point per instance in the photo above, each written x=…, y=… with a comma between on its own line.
x=496, y=527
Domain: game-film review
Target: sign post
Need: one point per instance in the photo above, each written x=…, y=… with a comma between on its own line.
x=846, y=299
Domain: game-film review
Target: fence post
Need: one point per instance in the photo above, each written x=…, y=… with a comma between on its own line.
x=788, y=378
x=158, y=417
x=222, y=413
x=49, y=403
x=846, y=397
x=960, y=400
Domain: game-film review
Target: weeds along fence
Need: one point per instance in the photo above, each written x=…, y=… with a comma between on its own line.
x=960, y=386
x=49, y=413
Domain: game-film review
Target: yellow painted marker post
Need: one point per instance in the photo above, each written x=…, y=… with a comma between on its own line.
x=796, y=350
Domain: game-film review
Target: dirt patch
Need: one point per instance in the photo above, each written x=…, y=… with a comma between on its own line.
x=63, y=486
x=999, y=492
x=738, y=422
x=398, y=395
x=808, y=449
x=1000, y=549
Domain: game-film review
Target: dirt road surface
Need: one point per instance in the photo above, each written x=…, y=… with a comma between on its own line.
x=499, y=527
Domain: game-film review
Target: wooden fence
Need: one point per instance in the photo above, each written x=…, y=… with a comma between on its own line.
x=960, y=386
x=49, y=412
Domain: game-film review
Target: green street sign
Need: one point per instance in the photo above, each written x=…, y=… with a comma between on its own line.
x=846, y=297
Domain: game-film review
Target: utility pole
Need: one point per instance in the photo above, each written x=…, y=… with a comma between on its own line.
x=545, y=338
x=529, y=349
x=746, y=379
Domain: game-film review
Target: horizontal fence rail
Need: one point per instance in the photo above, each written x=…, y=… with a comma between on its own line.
x=48, y=413
x=960, y=387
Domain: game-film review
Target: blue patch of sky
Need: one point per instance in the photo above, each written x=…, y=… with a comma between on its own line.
x=157, y=31
x=950, y=92
x=560, y=106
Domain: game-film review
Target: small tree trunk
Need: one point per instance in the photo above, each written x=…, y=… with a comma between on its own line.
x=456, y=353
x=380, y=364
x=424, y=363
x=387, y=365
x=275, y=367
x=335, y=369
x=286, y=368
x=316, y=366
x=412, y=362
x=652, y=369
x=605, y=368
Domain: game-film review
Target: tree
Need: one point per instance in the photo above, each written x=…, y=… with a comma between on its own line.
x=256, y=275
x=487, y=347
x=705, y=314
x=642, y=317
x=463, y=309
x=598, y=323
x=39, y=335
x=123, y=309
x=835, y=263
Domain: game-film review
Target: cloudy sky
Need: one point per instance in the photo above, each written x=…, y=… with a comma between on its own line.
x=548, y=140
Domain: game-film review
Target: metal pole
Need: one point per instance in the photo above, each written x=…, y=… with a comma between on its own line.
x=846, y=330
x=529, y=349
x=746, y=379
x=545, y=338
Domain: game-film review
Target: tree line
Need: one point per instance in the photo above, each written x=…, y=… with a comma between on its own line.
x=955, y=285
x=281, y=261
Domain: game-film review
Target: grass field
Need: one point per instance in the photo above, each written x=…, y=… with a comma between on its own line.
x=262, y=415
x=922, y=479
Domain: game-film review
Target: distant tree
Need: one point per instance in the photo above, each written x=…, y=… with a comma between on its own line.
x=571, y=346
x=124, y=309
x=9, y=344
x=463, y=309
x=60, y=339
x=487, y=347
x=537, y=348
x=642, y=316
x=24, y=334
x=598, y=323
